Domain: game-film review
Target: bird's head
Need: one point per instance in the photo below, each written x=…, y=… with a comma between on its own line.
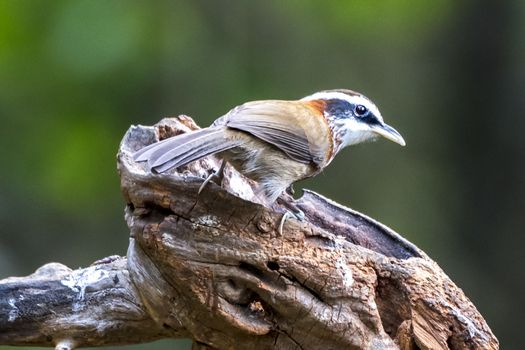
x=353, y=117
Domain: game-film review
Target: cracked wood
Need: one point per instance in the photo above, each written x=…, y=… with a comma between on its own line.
x=213, y=267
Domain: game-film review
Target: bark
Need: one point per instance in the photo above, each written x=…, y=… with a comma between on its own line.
x=213, y=267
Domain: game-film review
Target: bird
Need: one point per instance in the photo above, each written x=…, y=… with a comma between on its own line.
x=277, y=142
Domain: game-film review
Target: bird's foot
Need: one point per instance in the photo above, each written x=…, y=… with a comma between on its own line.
x=292, y=211
x=219, y=175
x=207, y=180
x=297, y=215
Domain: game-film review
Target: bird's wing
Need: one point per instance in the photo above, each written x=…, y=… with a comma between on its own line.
x=280, y=123
x=185, y=148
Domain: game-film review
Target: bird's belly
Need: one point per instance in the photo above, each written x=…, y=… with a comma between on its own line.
x=267, y=165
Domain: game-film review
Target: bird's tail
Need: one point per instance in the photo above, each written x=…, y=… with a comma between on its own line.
x=185, y=148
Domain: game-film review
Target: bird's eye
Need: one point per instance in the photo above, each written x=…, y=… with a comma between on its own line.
x=360, y=110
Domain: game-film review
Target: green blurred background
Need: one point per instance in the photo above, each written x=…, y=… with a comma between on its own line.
x=449, y=75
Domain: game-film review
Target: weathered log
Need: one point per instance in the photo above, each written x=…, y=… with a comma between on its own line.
x=94, y=306
x=213, y=267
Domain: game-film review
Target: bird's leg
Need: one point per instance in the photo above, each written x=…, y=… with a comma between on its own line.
x=292, y=211
x=219, y=174
x=290, y=190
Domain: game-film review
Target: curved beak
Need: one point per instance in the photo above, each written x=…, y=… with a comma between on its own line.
x=390, y=133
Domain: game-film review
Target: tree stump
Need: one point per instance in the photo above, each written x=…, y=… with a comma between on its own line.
x=213, y=267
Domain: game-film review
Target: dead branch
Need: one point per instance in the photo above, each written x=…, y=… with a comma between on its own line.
x=94, y=306
x=213, y=267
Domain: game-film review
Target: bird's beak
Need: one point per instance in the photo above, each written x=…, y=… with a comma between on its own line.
x=390, y=133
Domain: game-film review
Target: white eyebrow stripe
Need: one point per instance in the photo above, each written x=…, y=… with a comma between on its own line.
x=359, y=99
x=328, y=95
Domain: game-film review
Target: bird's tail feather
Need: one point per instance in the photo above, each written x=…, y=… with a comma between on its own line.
x=185, y=148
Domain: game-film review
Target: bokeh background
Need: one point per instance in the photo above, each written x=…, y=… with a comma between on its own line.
x=449, y=75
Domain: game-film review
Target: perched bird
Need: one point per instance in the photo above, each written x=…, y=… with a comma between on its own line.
x=277, y=143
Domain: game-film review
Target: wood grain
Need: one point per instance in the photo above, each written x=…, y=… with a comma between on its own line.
x=213, y=267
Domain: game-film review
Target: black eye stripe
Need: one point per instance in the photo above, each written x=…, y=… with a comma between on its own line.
x=370, y=119
x=344, y=109
x=339, y=108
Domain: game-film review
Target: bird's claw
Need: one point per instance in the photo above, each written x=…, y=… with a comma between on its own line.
x=219, y=174
x=298, y=215
x=206, y=181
